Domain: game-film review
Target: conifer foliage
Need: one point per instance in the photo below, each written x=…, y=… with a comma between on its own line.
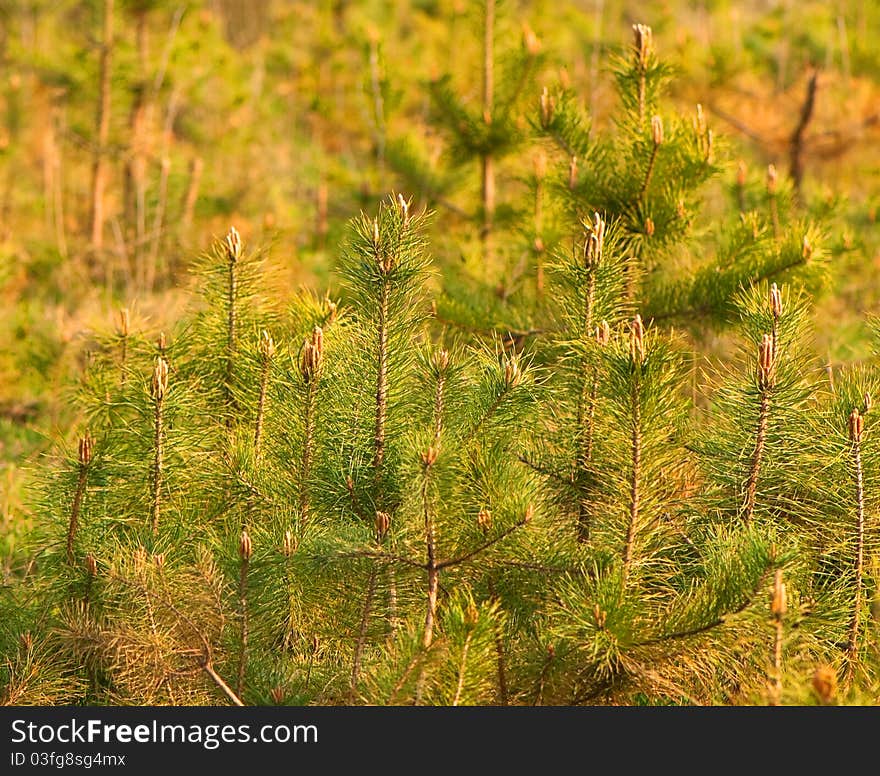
x=356, y=500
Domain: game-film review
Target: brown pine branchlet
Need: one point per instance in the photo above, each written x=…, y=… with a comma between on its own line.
x=778, y=609
x=267, y=353
x=85, y=450
x=122, y=329
x=637, y=353
x=311, y=365
x=856, y=434
x=657, y=141
x=766, y=378
x=232, y=246
x=245, y=551
x=158, y=390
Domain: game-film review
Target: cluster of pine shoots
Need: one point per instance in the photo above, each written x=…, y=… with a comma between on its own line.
x=350, y=501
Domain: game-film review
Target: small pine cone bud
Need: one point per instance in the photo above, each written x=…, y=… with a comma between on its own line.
x=868, y=403
x=267, y=346
x=548, y=106
x=312, y=357
x=512, y=373
x=91, y=565
x=86, y=445
x=26, y=641
x=122, y=325
x=643, y=44
x=375, y=232
x=603, y=333
x=649, y=226
x=856, y=426
x=161, y=343
x=471, y=615
x=825, y=684
x=484, y=520
x=349, y=484
x=778, y=601
x=772, y=179
x=529, y=513
x=775, y=301
x=429, y=456
x=572, y=172
x=159, y=383
x=807, y=249
x=288, y=545
x=637, y=340
x=657, y=130
x=233, y=245
x=741, y=173
x=382, y=523
x=766, y=362
x=245, y=546
x=159, y=560
x=404, y=209
x=278, y=695
x=551, y=652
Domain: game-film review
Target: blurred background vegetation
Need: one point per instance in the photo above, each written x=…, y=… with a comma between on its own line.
x=135, y=132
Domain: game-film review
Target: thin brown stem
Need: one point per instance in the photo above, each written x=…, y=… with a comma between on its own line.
x=462, y=669
x=81, y=482
x=245, y=625
x=224, y=688
x=362, y=636
x=231, y=324
x=158, y=451
x=852, y=648
x=755, y=466
x=308, y=447
x=634, y=498
x=648, y=173
x=381, y=381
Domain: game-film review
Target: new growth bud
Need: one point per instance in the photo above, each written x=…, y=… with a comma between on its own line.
x=856, y=426
x=161, y=343
x=529, y=513
x=233, y=245
x=382, y=523
x=122, y=324
x=603, y=333
x=637, y=340
x=649, y=226
x=267, y=345
x=403, y=205
x=159, y=383
x=766, y=362
x=91, y=565
x=288, y=544
x=440, y=360
x=86, y=445
x=657, y=131
x=429, y=456
x=311, y=358
x=643, y=44
x=484, y=520
x=471, y=615
x=775, y=301
x=245, y=547
x=594, y=242
x=807, y=249
x=512, y=372
x=778, y=600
